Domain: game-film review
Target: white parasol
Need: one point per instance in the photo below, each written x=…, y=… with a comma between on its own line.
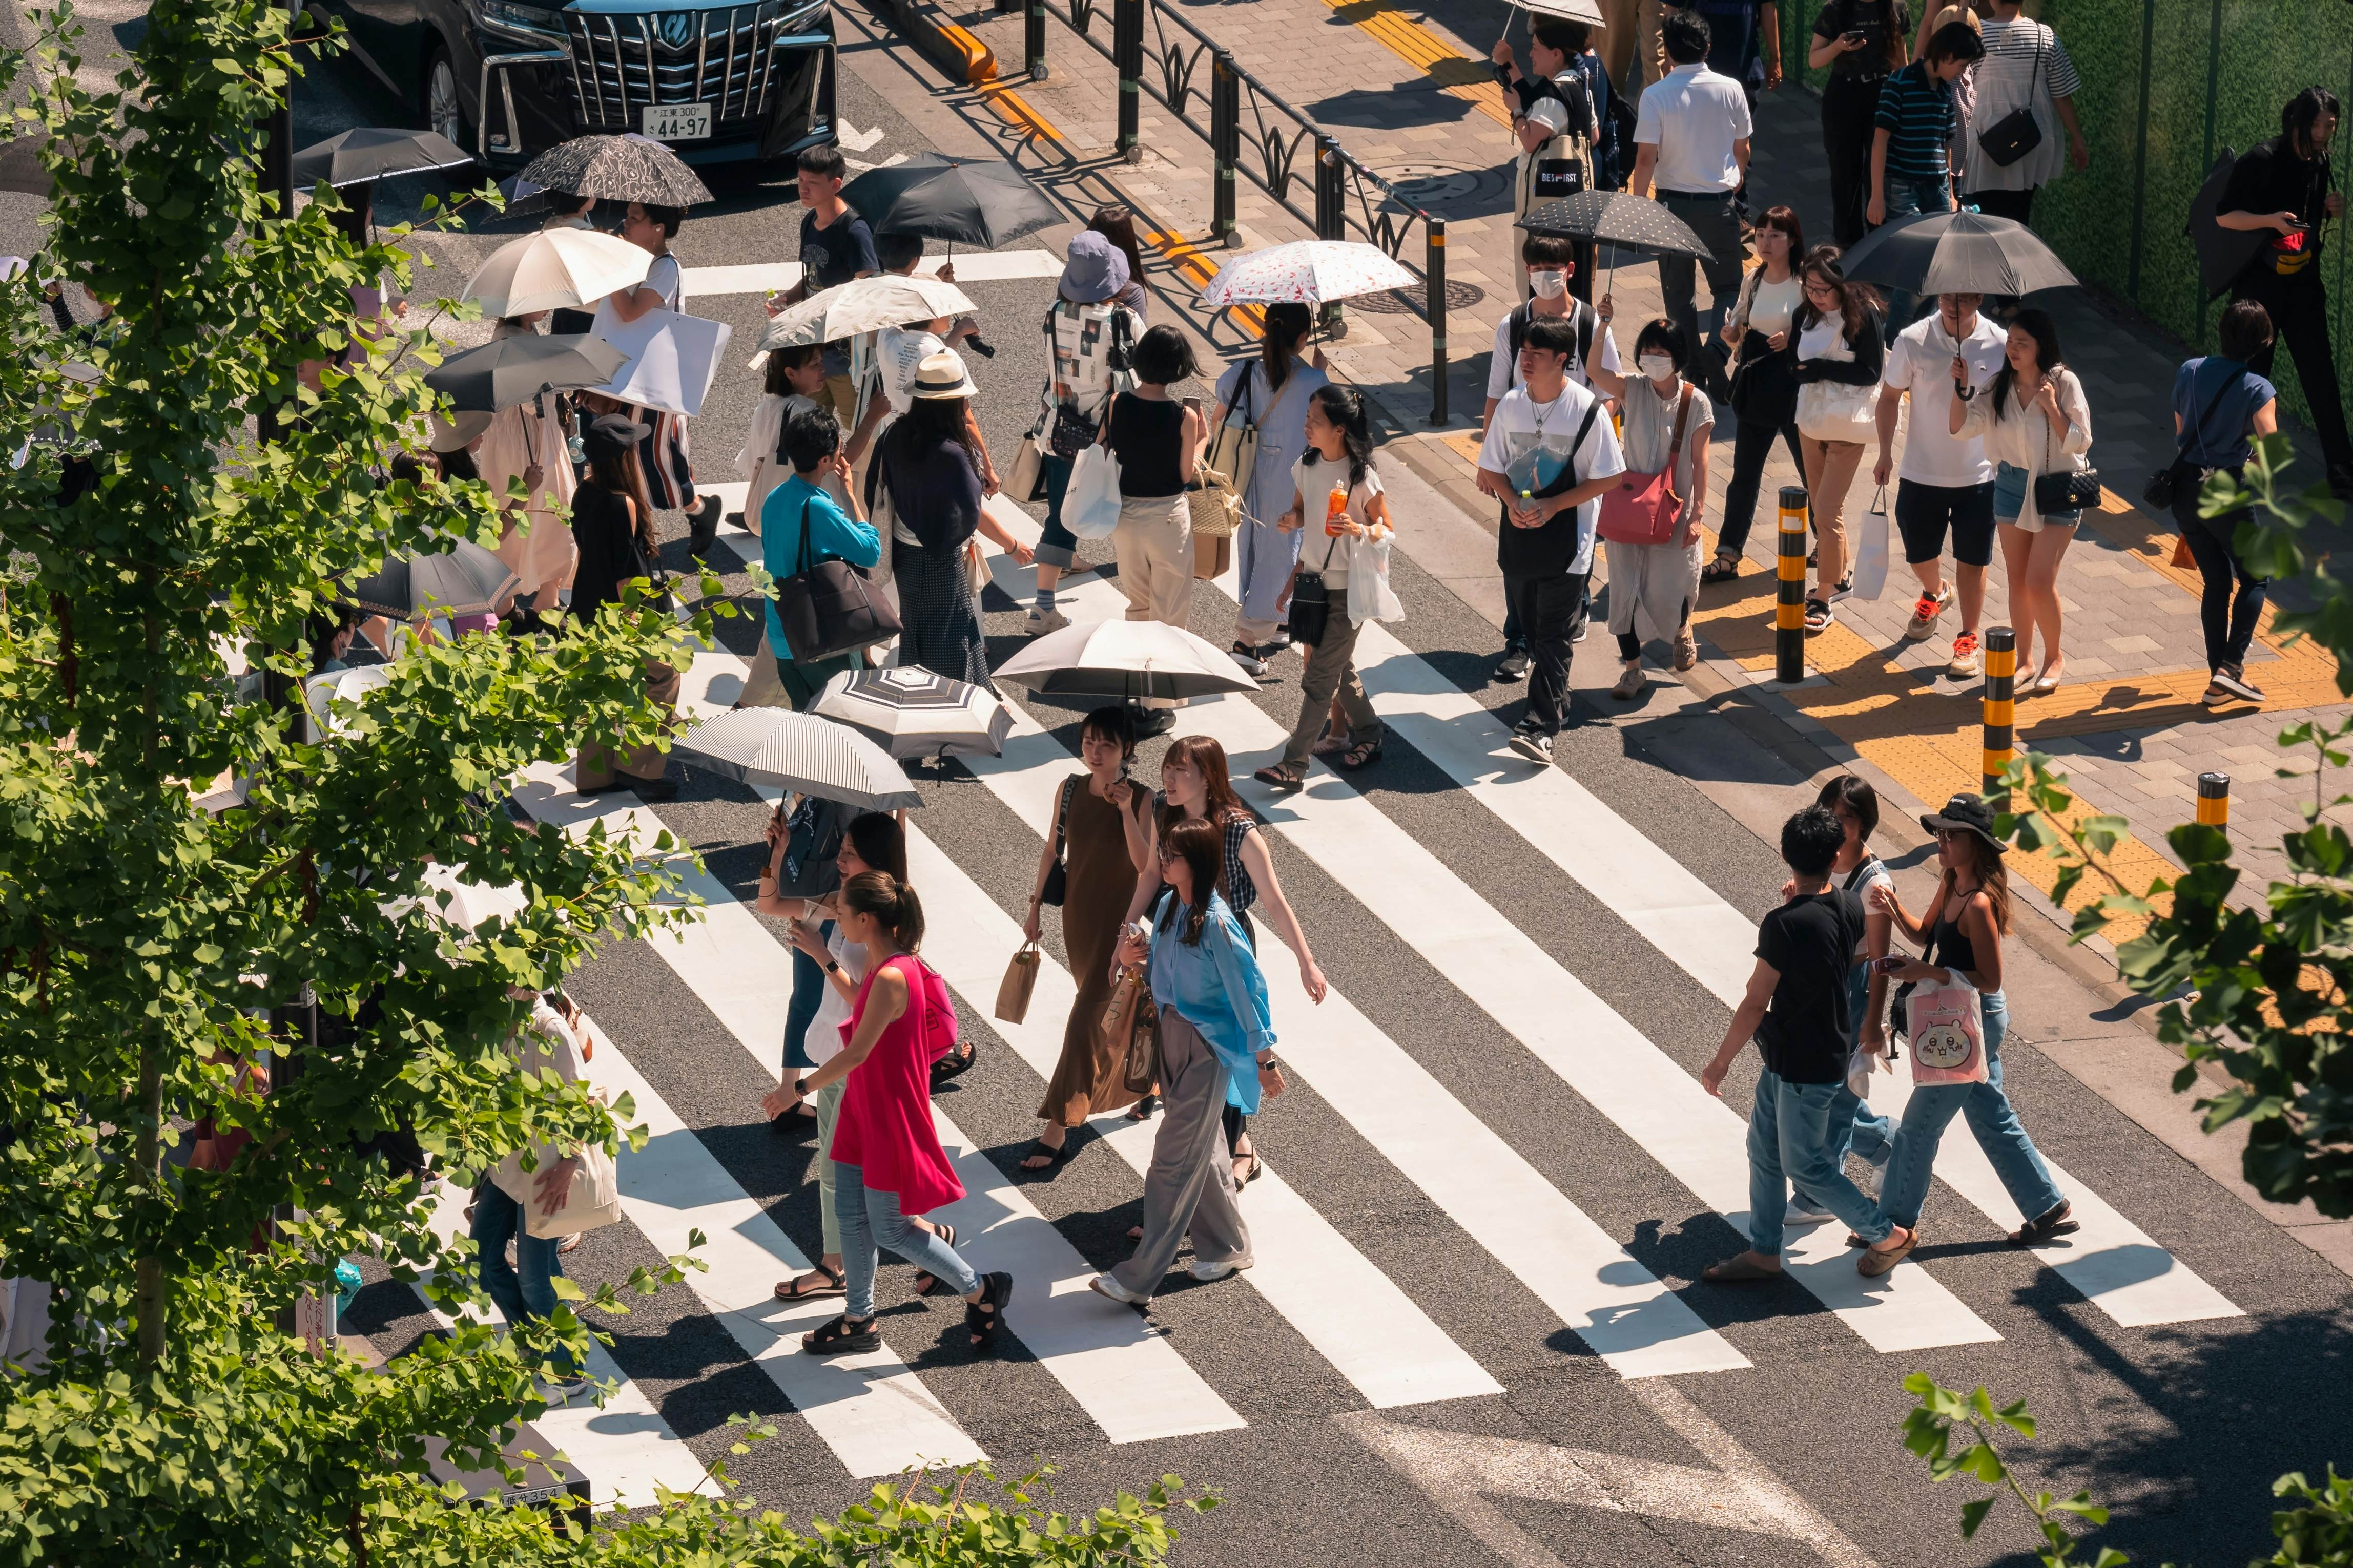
x=1306, y=272
x=865, y=305
x=555, y=268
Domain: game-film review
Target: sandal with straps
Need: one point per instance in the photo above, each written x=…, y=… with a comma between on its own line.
x=837, y=1338
x=984, y=1318
x=2051, y=1222
x=1363, y=754
x=1055, y=1158
x=1276, y=776
x=836, y=1283
x=1724, y=568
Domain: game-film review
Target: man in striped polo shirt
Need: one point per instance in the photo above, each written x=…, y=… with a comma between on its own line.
x=1908, y=172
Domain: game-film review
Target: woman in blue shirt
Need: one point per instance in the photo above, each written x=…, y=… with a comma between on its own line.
x=1214, y=1032
x=812, y=442
x=2220, y=407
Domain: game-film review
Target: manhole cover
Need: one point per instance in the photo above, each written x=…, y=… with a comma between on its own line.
x=1428, y=185
x=1408, y=302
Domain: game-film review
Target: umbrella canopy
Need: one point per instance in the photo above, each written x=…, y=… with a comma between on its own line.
x=374, y=152
x=1586, y=11
x=618, y=168
x=463, y=580
x=20, y=166
x=505, y=371
x=1124, y=658
x=1956, y=253
x=865, y=305
x=799, y=752
x=555, y=268
x=914, y=712
x=339, y=686
x=1306, y=272
x=963, y=201
x=1616, y=219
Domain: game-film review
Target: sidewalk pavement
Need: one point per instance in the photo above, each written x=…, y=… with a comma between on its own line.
x=2130, y=735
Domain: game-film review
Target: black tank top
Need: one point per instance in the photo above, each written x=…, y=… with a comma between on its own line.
x=1146, y=436
x=1948, y=948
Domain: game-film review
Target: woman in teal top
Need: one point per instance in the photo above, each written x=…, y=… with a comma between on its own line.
x=1214, y=1032
x=812, y=441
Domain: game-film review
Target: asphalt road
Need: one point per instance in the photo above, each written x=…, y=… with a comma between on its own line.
x=2179, y=1426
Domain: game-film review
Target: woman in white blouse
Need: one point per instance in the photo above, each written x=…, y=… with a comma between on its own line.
x=2034, y=421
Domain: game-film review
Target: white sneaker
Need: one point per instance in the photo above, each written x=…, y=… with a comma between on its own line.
x=1802, y=1213
x=1104, y=1285
x=560, y=1392
x=1042, y=621
x=1207, y=1272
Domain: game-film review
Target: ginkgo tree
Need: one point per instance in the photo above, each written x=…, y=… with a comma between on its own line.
x=152, y=949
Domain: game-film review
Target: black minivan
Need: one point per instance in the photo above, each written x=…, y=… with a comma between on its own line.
x=717, y=83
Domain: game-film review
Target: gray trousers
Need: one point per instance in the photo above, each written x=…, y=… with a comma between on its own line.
x=1715, y=219
x=1331, y=666
x=1190, y=1185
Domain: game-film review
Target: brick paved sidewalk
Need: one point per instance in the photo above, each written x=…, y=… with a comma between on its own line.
x=1381, y=79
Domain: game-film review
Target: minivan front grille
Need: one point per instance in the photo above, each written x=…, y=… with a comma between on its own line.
x=723, y=56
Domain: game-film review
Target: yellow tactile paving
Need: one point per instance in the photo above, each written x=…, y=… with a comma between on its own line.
x=1471, y=80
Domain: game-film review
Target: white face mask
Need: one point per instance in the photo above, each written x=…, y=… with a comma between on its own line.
x=1658, y=367
x=1547, y=283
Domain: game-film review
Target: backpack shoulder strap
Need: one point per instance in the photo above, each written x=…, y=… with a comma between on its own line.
x=1592, y=408
x=1586, y=318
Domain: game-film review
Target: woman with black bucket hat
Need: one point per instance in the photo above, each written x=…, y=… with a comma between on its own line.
x=1960, y=932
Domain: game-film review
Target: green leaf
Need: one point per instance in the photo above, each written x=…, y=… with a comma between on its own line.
x=1973, y=1514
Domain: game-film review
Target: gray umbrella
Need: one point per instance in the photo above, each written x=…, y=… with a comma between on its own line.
x=618, y=168
x=463, y=580
x=374, y=153
x=799, y=752
x=975, y=201
x=1956, y=253
x=505, y=371
x=917, y=712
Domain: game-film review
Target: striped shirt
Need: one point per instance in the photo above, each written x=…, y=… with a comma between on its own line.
x=2010, y=49
x=1916, y=111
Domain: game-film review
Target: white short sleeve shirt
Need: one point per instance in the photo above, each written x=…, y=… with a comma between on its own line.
x=1693, y=116
x=1920, y=362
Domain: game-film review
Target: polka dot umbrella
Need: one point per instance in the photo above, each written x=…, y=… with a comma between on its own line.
x=1618, y=220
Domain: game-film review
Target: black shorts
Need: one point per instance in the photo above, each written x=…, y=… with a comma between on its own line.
x=1923, y=512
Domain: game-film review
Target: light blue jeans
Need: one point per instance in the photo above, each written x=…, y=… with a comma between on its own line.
x=1908, y=198
x=871, y=1222
x=1996, y=1124
x=1794, y=1137
x=1867, y=1132
x=530, y=1297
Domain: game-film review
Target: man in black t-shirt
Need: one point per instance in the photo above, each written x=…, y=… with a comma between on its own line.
x=2282, y=187
x=836, y=246
x=1795, y=1009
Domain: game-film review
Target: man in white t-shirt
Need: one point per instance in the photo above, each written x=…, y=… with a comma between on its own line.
x=1691, y=140
x=1947, y=481
x=1549, y=453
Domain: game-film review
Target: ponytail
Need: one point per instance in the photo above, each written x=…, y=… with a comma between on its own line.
x=883, y=898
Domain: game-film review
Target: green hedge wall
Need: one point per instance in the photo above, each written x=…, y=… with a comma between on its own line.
x=2217, y=72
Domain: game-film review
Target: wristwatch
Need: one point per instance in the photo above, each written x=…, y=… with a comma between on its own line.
x=833, y=966
x=1269, y=1063
x=800, y=1087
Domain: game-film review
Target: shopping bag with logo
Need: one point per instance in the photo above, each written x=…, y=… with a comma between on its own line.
x=1013, y=993
x=1946, y=1023
x=1872, y=545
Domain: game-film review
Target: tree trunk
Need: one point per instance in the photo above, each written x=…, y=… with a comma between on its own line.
x=152, y=1298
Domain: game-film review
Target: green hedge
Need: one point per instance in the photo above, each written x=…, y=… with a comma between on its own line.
x=2217, y=71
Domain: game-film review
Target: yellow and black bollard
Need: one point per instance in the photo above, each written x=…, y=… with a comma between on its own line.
x=1790, y=590
x=2001, y=706
x=2214, y=800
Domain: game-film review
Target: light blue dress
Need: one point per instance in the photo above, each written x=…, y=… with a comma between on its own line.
x=1263, y=554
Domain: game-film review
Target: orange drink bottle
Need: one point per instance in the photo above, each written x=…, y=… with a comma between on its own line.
x=1335, y=512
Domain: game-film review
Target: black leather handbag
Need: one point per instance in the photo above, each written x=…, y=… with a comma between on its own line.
x=2064, y=489
x=2017, y=133
x=1057, y=885
x=1310, y=602
x=2157, y=494
x=825, y=607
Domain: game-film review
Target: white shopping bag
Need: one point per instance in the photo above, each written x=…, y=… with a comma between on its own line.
x=1091, y=503
x=1871, y=551
x=591, y=1202
x=671, y=358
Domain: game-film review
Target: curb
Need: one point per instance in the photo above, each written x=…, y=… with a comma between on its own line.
x=963, y=53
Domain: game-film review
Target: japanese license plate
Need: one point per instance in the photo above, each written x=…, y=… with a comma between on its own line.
x=678, y=121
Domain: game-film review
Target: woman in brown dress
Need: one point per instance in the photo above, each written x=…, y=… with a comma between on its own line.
x=1100, y=833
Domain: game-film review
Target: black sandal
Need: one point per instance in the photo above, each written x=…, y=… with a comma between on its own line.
x=790, y=1290
x=1055, y=1158
x=1363, y=754
x=956, y=1063
x=2057, y=1221
x=837, y=1338
x=1276, y=776
x=984, y=1318
x=1144, y=1109
x=1723, y=569
x=1256, y=1164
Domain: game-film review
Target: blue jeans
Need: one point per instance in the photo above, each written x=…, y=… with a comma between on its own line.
x=871, y=1222
x=498, y=1218
x=1906, y=199
x=1867, y=1132
x=1057, y=545
x=1999, y=1133
x=1794, y=1137
x=808, y=995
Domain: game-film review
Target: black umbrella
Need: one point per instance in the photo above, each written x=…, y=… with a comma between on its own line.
x=20, y=166
x=376, y=152
x=505, y=371
x=1956, y=253
x=629, y=168
x=1616, y=218
x=975, y=201
x=463, y=580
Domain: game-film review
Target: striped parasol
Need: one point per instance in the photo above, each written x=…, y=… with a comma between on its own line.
x=1130, y=659
x=799, y=752
x=916, y=713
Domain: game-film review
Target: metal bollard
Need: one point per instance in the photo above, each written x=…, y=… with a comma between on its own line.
x=1225, y=145
x=1033, y=41
x=1331, y=211
x=2214, y=801
x=1790, y=590
x=1434, y=269
x=2000, y=706
x=1127, y=58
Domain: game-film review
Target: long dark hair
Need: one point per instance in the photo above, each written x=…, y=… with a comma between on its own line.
x=1207, y=758
x=1991, y=869
x=2299, y=114
x=881, y=842
x=884, y=898
x=1857, y=301
x=931, y=420
x=2039, y=326
x=1345, y=407
x=1202, y=847
x=1285, y=323
x=613, y=469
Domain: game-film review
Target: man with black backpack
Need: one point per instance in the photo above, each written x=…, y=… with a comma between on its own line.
x=1594, y=365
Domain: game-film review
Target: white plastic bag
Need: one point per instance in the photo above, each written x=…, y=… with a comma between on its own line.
x=1091, y=503
x=591, y=1202
x=1871, y=551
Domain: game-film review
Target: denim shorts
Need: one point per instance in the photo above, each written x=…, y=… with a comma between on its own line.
x=2009, y=483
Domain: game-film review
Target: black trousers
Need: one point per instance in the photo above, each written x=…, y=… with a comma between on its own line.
x=1850, y=105
x=2226, y=619
x=2300, y=313
x=1549, y=607
x=1751, y=445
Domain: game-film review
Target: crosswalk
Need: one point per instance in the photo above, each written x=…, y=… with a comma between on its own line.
x=881, y=1413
